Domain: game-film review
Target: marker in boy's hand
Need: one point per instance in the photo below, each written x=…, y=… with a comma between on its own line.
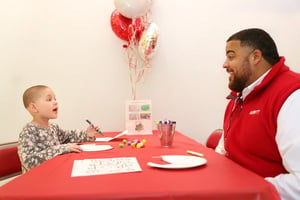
x=94, y=127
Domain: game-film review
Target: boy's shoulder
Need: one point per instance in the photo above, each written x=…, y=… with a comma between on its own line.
x=31, y=126
x=54, y=125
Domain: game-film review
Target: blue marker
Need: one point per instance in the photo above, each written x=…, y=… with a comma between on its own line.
x=88, y=121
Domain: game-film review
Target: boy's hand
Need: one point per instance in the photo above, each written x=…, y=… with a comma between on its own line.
x=74, y=147
x=92, y=131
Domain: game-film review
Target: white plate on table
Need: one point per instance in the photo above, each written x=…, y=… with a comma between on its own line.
x=94, y=147
x=179, y=162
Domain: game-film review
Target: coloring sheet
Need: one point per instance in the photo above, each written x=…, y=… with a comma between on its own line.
x=89, y=167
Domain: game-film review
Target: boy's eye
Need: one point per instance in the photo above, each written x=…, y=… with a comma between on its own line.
x=50, y=98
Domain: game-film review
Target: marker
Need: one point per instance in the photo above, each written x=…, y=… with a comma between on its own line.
x=88, y=121
x=195, y=153
x=165, y=122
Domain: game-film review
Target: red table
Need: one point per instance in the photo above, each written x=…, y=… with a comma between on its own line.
x=220, y=178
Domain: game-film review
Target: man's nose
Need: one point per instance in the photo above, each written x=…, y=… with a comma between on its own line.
x=225, y=65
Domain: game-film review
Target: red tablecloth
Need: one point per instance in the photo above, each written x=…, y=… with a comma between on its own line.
x=220, y=178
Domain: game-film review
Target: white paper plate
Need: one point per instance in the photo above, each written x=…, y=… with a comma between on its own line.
x=179, y=162
x=94, y=147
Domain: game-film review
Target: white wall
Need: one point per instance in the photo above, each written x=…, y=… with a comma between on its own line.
x=69, y=45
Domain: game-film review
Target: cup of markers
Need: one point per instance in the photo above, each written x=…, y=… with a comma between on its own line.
x=166, y=130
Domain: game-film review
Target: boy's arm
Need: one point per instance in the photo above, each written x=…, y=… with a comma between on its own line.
x=72, y=136
x=33, y=151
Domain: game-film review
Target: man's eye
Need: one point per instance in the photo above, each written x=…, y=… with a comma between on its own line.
x=230, y=57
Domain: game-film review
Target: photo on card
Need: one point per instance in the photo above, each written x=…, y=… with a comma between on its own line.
x=138, y=117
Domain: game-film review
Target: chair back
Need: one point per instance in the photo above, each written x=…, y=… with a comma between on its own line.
x=213, y=139
x=10, y=162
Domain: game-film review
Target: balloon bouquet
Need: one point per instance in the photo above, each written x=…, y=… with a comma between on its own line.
x=130, y=22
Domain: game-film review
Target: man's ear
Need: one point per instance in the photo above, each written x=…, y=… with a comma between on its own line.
x=32, y=108
x=256, y=56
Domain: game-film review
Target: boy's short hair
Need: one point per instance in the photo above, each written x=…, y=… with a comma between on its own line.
x=32, y=93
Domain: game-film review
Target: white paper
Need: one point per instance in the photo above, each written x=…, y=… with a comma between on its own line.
x=89, y=167
x=104, y=139
x=107, y=139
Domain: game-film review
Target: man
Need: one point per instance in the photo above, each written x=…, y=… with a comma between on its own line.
x=261, y=121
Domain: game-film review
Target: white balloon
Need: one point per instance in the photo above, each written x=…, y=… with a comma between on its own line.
x=132, y=8
x=148, y=41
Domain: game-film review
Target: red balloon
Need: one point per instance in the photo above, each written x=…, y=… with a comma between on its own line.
x=124, y=27
x=120, y=25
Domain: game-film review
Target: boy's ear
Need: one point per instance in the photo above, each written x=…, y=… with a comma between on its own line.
x=32, y=108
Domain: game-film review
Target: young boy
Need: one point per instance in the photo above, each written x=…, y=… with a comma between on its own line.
x=40, y=140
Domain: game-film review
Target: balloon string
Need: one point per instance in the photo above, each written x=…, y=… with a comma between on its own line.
x=132, y=70
x=133, y=87
x=146, y=65
x=136, y=74
x=146, y=19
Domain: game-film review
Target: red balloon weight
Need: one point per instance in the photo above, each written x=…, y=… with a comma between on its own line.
x=124, y=27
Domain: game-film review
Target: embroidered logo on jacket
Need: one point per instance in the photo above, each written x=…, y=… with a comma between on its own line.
x=254, y=112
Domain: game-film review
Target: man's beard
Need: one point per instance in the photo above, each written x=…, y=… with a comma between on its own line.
x=237, y=84
x=239, y=81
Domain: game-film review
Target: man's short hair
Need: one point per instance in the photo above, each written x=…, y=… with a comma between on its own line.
x=258, y=39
